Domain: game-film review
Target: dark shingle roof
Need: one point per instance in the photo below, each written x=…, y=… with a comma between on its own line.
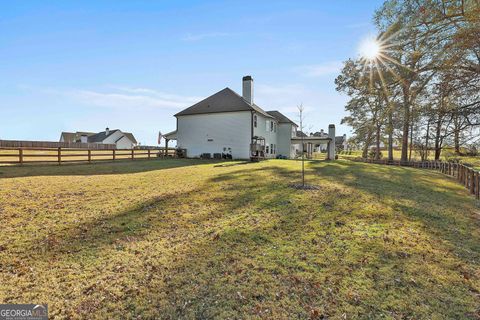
x=301, y=134
x=99, y=137
x=281, y=118
x=225, y=100
x=339, y=139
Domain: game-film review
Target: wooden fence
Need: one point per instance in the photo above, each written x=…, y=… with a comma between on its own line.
x=20, y=156
x=53, y=144
x=465, y=175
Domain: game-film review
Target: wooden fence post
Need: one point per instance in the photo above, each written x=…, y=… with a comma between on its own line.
x=148, y=153
x=113, y=154
x=478, y=185
x=89, y=155
x=20, y=156
x=132, y=154
x=472, y=181
x=59, y=155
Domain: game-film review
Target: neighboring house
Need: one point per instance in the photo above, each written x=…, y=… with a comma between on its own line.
x=341, y=143
x=123, y=140
x=227, y=123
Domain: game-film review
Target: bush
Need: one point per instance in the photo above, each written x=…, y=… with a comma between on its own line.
x=372, y=152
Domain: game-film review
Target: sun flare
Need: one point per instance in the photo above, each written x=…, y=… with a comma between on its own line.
x=370, y=49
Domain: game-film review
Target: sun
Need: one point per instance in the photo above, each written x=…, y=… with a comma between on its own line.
x=369, y=49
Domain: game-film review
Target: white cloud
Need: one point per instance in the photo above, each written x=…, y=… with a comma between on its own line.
x=202, y=36
x=132, y=98
x=320, y=70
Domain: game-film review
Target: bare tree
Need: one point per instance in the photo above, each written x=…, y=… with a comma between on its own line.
x=301, y=119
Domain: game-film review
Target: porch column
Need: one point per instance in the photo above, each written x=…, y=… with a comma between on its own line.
x=331, y=144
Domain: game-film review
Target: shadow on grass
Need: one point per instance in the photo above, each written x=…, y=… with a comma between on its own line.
x=421, y=195
x=100, y=168
x=262, y=249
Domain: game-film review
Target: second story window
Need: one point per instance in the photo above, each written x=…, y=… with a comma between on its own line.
x=271, y=126
x=254, y=120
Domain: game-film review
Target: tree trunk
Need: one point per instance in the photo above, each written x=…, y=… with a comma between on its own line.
x=425, y=152
x=390, y=136
x=411, y=142
x=406, y=122
x=377, y=144
x=367, y=144
x=438, y=132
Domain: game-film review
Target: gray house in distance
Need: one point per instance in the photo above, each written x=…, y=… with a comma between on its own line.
x=229, y=123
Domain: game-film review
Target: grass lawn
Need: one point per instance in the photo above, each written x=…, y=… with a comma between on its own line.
x=473, y=161
x=190, y=239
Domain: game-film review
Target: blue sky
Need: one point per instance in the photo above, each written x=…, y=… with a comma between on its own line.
x=86, y=65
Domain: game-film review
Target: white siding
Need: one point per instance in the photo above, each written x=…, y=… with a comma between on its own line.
x=123, y=143
x=211, y=133
x=262, y=131
x=284, y=135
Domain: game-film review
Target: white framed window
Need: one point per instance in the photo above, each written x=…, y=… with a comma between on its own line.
x=271, y=126
x=274, y=127
x=254, y=120
x=266, y=149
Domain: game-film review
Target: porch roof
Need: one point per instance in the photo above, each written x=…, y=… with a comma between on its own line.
x=311, y=139
x=171, y=135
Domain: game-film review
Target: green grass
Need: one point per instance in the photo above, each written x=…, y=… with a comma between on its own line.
x=446, y=155
x=190, y=239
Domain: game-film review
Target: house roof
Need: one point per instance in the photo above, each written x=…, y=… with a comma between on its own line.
x=280, y=117
x=225, y=100
x=94, y=137
x=339, y=139
x=99, y=137
x=301, y=134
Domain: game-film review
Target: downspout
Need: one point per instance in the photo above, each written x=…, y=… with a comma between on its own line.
x=252, y=113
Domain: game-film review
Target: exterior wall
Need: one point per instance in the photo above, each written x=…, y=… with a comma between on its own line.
x=211, y=133
x=124, y=143
x=284, y=135
x=270, y=137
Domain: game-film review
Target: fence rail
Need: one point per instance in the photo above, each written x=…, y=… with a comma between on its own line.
x=467, y=176
x=20, y=156
x=53, y=144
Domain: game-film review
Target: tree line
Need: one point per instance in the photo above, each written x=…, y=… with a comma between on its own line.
x=422, y=88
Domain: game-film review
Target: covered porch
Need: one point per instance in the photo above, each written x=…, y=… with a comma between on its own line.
x=310, y=142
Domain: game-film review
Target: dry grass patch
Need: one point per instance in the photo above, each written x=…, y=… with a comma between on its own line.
x=190, y=239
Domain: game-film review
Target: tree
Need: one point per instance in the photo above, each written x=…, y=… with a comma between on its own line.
x=301, y=119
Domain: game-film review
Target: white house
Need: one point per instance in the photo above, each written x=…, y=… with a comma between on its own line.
x=123, y=140
x=227, y=124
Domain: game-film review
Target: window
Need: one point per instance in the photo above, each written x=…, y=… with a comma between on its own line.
x=271, y=126
x=255, y=121
x=266, y=149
